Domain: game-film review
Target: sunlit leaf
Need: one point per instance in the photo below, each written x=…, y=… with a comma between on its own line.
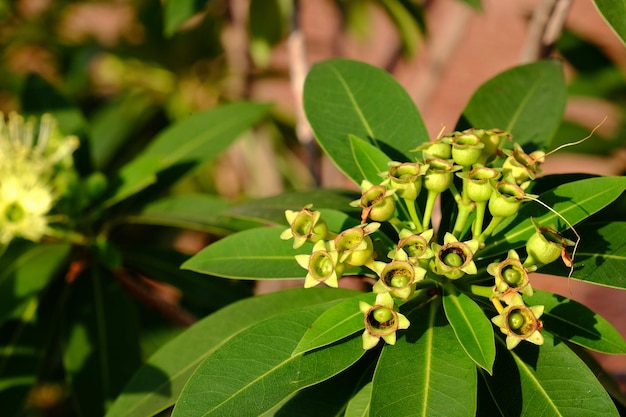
x=369, y=160
x=613, y=12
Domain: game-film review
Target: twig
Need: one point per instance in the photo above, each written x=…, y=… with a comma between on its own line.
x=544, y=29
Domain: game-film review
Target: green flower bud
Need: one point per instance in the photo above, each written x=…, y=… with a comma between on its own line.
x=519, y=166
x=406, y=179
x=492, y=139
x=376, y=201
x=304, y=225
x=381, y=321
x=478, y=183
x=545, y=246
x=511, y=278
x=415, y=247
x=439, y=174
x=437, y=149
x=518, y=323
x=506, y=199
x=354, y=245
x=454, y=259
x=466, y=147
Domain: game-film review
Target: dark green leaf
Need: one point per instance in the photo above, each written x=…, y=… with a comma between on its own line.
x=359, y=405
x=259, y=358
x=334, y=324
x=251, y=254
x=343, y=97
x=28, y=273
x=472, y=328
x=426, y=373
x=101, y=349
x=557, y=381
x=575, y=201
x=369, y=160
x=133, y=178
x=614, y=12
x=578, y=324
x=158, y=383
x=527, y=101
x=176, y=12
x=601, y=255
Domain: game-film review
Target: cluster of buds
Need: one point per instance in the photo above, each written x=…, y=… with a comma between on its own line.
x=36, y=168
x=492, y=184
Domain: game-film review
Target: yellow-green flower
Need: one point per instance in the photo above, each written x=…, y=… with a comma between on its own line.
x=381, y=321
x=415, y=247
x=519, y=322
x=454, y=259
x=305, y=225
x=511, y=279
x=376, y=201
x=322, y=265
x=354, y=245
x=398, y=277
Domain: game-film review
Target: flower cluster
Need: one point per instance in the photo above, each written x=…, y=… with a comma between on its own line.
x=487, y=183
x=35, y=167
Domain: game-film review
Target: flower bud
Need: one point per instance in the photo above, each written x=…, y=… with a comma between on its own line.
x=477, y=183
x=436, y=149
x=376, y=201
x=466, y=147
x=415, y=247
x=406, y=179
x=454, y=259
x=354, y=245
x=493, y=139
x=511, y=278
x=519, y=166
x=518, y=323
x=381, y=321
x=506, y=199
x=545, y=246
x=304, y=225
x=439, y=174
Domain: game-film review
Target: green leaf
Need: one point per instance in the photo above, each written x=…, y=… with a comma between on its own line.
x=198, y=138
x=188, y=211
x=176, y=12
x=527, y=101
x=158, y=383
x=614, y=13
x=343, y=97
x=575, y=322
x=575, y=201
x=28, y=273
x=558, y=382
x=334, y=324
x=251, y=254
x=472, y=328
x=259, y=358
x=101, y=349
x=369, y=159
x=601, y=255
x=359, y=405
x=426, y=373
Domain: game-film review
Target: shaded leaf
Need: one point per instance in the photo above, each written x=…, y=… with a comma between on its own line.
x=558, y=381
x=527, y=100
x=359, y=405
x=176, y=12
x=426, y=373
x=369, y=160
x=575, y=201
x=577, y=323
x=472, y=328
x=229, y=380
x=158, y=383
x=613, y=12
x=339, y=100
x=334, y=324
x=101, y=348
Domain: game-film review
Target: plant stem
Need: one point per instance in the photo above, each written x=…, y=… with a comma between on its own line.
x=410, y=204
x=477, y=227
x=461, y=219
x=428, y=211
x=495, y=221
x=481, y=291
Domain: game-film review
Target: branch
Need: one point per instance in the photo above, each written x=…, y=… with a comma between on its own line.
x=544, y=29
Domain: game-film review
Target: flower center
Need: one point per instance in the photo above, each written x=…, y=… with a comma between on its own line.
x=516, y=320
x=14, y=213
x=453, y=258
x=512, y=275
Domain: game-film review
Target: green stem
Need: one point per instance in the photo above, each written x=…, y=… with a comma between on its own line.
x=495, y=221
x=455, y=193
x=461, y=219
x=428, y=211
x=477, y=227
x=410, y=204
x=481, y=291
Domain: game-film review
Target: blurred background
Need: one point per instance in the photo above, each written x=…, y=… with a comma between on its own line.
x=133, y=67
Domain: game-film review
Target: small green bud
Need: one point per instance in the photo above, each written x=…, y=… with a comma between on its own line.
x=506, y=199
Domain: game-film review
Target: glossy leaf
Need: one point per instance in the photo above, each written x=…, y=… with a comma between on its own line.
x=472, y=328
x=613, y=11
x=575, y=322
x=359, y=405
x=575, y=201
x=557, y=381
x=251, y=254
x=158, y=383
x=339, y=100
x=229, y=380
x=369, y=160
x=176, y=12
x=101, y=349
x=527, y=101
x=335, y=323
x=27, y=273
x=426, y=373
x=601, y=255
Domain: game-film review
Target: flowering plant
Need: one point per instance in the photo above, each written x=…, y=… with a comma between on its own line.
x=464, y=330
